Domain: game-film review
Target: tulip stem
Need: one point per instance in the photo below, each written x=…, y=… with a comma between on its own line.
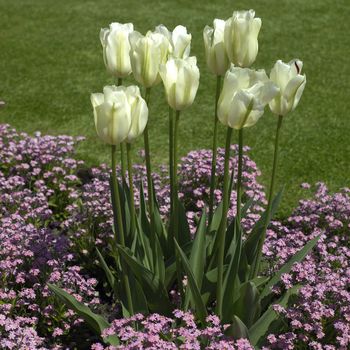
x=176, y=201
x=256, y=268
x=222, y=228
x=239, y=176
x=171, y=159
x=148, y=163
x=118, y=212
x=214, y=150
x=122, y=157
x=122, y=148
x=131, y=188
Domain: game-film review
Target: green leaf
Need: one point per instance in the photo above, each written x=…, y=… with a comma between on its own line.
x=201, y=310
x=184, y=228
x=237, y=329
x=215, y=221
x=251, y=244
x=154, y=290
x=108, y=272
x=198, y=254
x=231, y=277
x=170, y=270
x=143, y=250
x=124, y=195
x=160, y=229
x=259, y=329
x=96, y=322
x=298, y=257
x=247, y=307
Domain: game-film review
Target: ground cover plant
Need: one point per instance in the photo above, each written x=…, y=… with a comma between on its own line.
x=122, y=257
x=25, y=321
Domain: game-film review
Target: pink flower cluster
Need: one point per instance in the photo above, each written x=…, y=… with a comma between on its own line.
x=36, y=182
x=180, y=332
x=320, y=316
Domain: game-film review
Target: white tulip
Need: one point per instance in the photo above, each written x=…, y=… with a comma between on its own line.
x=244, y=96
x=139, y=112
x=116, y=47
x=291, y=84
x=215, y=51
x=112, y=114
x=241, y=37
x=179, y=39
x=146, y=54
x=181, y=80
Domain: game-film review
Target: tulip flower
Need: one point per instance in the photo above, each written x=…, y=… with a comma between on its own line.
x=179, y=39
x=181, y=80
x=244, y=96
x=116, y=47
x=139, y=113
x=241, y=37
x=146, y=54
x=215, y=52
x=112, y=114
x=291, y=84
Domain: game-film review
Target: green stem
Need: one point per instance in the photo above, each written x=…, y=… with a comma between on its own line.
x=148, y=162
x=122, y=157
x=117, y=197
x=171, y=162
x=176, y=200
x=175, y=184
x=122, y=148
x=239, y=175
x=222, y=228
x=270, y=198
x=214, y=150
x=118, y=211
x=131, y=188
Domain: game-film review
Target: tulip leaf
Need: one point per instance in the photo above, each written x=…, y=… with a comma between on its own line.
x=124, y=194
x=216, y=219
x=231, y=277
x=201, y=310
x=237, y=329
x=96, y=322
x=160, y=229
x=298, y=257
x=252, y=242
x=198, y=256
x=106, y=269
x=152, y=287
x=248, y=307
x=259, y=329
x=171, y=265
x=184, y=228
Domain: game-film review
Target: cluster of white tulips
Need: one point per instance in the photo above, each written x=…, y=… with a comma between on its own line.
x=231, y=47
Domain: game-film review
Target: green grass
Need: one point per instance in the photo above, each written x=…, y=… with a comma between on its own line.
x=51, y=61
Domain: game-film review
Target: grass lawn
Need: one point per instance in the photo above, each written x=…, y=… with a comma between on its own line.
x=51, y=60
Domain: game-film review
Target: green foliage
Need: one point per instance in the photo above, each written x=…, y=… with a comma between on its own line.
x=96, y=322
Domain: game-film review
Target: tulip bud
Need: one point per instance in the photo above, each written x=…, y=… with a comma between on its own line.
x=112, y=114
x=116, y=47
x=241, y=37
x=139, y=112
x=215, y=52
x=244, y=96
x=179, y=39
x=291, y=84
x=146, y=54
x=181, y=79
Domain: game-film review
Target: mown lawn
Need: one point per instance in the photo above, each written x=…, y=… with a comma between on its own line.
x=51, y=60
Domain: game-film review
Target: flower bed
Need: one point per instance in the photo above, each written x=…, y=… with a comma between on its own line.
x=53, y=211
